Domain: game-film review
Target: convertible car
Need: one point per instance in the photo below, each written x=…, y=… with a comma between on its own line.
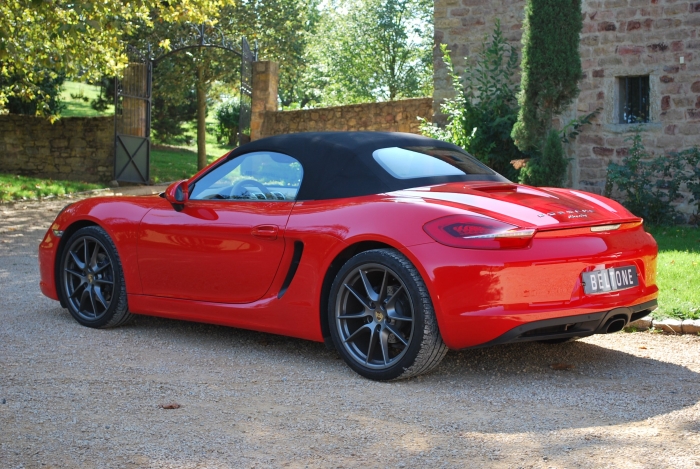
x=392, y=248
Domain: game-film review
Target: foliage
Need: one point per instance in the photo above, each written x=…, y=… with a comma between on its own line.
x=13, y=187
x=283, y=30
x=547, y=168
x=42, y=39
x=372, y=50
x=678, y=271
x=649, y=185
x=106, y=96
x=573, y=128
x=169, y=116
x=551, y=67
x=227, y=116
x=481, y=115
x=49, y=87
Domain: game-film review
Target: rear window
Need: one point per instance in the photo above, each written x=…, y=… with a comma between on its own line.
x=425, y=162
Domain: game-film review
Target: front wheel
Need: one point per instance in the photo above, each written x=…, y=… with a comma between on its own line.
x=381, y=317
x=91, y=280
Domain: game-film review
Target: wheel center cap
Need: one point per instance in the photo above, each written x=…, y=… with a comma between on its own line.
x=379, y=316
x=90, y=278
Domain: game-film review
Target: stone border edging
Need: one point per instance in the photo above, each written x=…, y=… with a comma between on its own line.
x=676, y=326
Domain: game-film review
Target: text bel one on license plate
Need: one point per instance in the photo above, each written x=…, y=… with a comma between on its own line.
x=612, y=279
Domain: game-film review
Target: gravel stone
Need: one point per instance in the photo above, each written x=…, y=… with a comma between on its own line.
x=78, y=397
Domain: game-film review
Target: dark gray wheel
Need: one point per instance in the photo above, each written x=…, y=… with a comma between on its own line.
x=381, y=317
x=91, y=279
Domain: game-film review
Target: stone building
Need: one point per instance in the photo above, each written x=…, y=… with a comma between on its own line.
x=641, y=63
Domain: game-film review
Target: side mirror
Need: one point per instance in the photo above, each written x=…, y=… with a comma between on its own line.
x=177, y=193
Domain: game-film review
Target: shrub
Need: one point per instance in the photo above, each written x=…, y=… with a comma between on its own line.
x=649, y=186
x=47, y=100
x=169, y=116
x=106, y=96
x=227, y=116
x=481, y=115
x=549, y=167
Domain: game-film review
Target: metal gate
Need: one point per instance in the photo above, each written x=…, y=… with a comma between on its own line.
x=132, y=101
x=132, y=120
x=247, y=59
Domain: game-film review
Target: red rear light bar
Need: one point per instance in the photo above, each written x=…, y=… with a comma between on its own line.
x=478, y=232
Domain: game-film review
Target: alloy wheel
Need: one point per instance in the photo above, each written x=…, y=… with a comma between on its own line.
x=88, y=278
x=374, y=316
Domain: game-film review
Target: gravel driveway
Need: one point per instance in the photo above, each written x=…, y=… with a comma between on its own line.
x=76, y=397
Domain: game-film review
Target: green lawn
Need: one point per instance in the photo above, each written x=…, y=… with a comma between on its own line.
x=678, y=272
x=21, y=188
x=80, y=107
x=173, y=163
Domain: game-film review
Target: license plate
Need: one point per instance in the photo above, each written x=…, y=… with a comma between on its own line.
x=607, y=280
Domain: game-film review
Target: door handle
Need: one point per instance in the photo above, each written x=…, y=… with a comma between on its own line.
x=265, y=231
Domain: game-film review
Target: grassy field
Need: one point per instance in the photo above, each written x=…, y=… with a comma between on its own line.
x=81, y=107
x=173, y=163
x=21, y=188
x=678, y=272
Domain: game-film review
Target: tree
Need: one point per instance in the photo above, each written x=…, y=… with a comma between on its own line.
x=370, y=50
x=50, y=89
x=282, y=29
x=278, y=23
x=42, y=39
x=551, y=67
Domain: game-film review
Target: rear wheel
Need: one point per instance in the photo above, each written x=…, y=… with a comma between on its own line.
x=382, y=319
x=91, y=280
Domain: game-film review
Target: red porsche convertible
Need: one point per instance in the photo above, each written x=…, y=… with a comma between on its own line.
x=391, y=247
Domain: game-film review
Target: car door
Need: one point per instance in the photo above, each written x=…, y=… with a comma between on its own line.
x=225, y=245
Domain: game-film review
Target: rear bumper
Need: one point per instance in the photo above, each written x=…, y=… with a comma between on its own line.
x=573, y=326
x=480, y=296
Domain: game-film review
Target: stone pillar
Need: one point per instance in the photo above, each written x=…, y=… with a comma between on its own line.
x=264, y=99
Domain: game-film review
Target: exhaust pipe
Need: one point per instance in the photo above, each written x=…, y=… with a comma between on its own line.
x=614, y=325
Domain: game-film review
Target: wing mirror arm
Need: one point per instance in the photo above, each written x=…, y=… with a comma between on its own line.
x=178, y=194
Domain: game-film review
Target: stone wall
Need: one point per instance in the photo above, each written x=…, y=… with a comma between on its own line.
x=391, y=116
x=73, y=148
x=658, y=38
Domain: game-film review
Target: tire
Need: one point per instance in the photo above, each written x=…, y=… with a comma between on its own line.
x=91, y=281
x=381, y=317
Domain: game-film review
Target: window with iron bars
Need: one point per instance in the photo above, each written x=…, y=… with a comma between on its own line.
x=633, y=95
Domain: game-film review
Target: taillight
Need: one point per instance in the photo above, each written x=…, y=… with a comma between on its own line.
x=477, y=232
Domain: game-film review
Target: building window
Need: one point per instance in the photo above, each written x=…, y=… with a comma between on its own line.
x=633, y=106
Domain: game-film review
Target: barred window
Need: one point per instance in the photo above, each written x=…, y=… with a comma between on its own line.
x=633, y=95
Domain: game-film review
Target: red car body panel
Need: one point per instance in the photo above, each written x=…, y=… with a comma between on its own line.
x=212, y=251
x=207, y=262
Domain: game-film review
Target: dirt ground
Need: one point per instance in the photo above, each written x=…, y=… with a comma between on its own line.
x=71, y=396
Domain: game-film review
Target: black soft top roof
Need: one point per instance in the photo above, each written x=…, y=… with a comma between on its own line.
x=340, y=164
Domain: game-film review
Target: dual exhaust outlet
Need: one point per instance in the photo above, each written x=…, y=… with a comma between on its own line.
x=613, y=325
